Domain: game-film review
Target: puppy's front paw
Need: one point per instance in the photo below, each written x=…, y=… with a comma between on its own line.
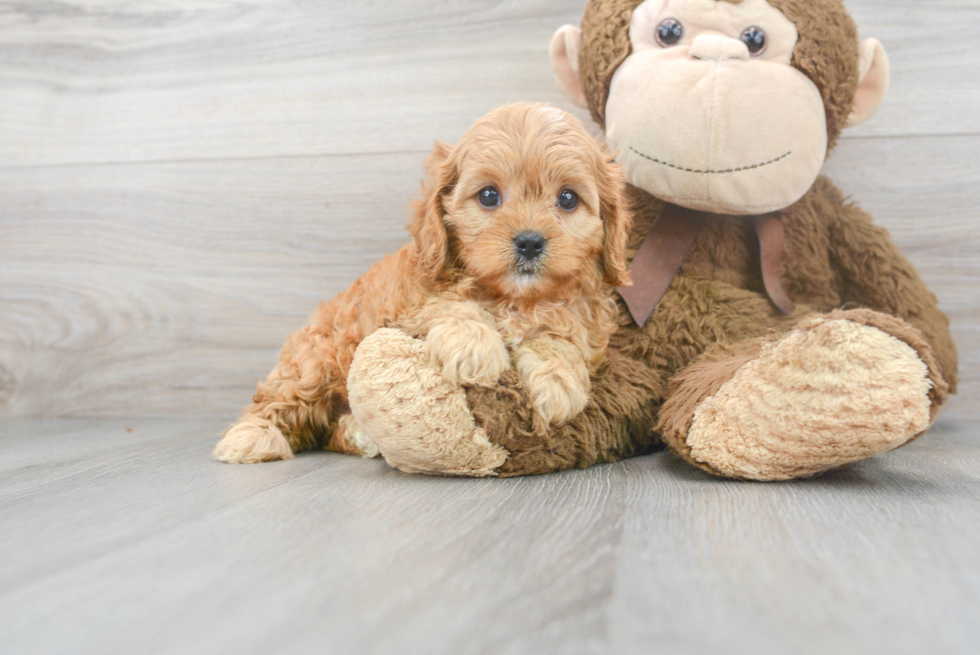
x=468, y=352
x=559, y=389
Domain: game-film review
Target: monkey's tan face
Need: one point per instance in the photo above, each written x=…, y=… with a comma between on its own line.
x=707, y=111
x=525, y=212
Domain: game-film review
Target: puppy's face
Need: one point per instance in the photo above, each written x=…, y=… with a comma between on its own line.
x=532, y=204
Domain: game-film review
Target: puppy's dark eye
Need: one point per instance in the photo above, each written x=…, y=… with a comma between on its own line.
x=489, y=197
x=755, y=39
x=568, y=200
x=670, y=32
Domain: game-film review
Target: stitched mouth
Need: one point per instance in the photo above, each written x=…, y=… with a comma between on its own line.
x=709, y=171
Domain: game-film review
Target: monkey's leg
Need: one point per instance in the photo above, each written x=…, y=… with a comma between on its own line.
x=838, y=388
x=615, y=424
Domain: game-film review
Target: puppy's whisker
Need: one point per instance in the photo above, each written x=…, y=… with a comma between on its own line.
x=527, y=267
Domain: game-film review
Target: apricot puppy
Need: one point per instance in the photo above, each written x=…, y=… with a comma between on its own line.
x=517, y=242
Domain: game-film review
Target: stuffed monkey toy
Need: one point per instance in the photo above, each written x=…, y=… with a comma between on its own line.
x=772, y=330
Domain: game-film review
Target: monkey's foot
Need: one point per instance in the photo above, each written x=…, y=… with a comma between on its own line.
x=837, y=389
x=420, y=422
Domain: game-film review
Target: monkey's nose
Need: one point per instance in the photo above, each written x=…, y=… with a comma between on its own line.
x=529, y=245
x=711, y=47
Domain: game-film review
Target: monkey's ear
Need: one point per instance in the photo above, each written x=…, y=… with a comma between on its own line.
x=874, y=70
x=427, y=225
x=564, y=62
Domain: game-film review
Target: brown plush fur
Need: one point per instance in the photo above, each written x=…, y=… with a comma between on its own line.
x=716, y=316
x=715, y=326
x=717, y=305
x=461, y=285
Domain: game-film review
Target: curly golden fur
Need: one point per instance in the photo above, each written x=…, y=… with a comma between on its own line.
x=462, y=285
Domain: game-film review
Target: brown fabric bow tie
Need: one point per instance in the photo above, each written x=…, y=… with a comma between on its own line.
x=670, y=241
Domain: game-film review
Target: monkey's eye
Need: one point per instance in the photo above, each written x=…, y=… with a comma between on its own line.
x=568, y=200
x=670, y=32
x=755, y=39
x=489, y=197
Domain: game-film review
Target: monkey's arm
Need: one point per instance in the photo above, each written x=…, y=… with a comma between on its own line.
x=423, y=423
x=875, y=274
x=615, y=424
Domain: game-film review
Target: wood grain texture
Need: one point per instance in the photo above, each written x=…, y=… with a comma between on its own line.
x=119, y=541
x=181, y=182
x=113, y=81
x=180, y=80
x=177, y=289
x=167, y=289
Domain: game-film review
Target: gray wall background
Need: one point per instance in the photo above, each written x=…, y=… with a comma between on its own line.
x=181, y=182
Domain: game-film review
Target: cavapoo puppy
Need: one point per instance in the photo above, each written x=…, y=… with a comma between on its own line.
x=517, y=242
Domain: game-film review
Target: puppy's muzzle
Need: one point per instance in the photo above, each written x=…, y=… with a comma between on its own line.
x=529, y=246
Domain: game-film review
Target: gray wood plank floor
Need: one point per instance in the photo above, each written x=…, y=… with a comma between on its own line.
x=122, y=536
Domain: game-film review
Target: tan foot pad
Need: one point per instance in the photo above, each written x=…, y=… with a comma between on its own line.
x=420, y=422
x=830, y=393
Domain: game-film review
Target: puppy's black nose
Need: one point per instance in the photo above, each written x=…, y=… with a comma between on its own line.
x=529, y=245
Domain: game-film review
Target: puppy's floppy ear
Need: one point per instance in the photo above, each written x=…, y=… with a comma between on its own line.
x=427, y=224
x=617, y=221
